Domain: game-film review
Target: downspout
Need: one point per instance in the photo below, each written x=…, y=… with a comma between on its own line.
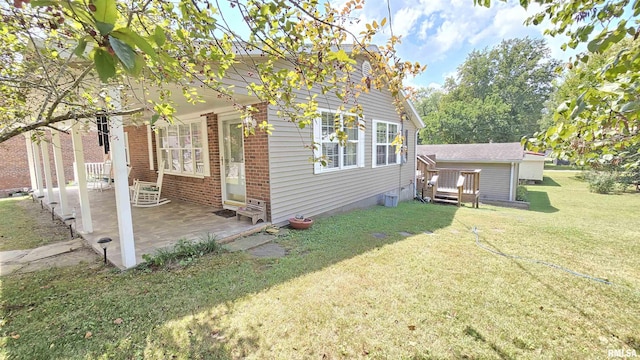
x=511, y=183
x=415, y=164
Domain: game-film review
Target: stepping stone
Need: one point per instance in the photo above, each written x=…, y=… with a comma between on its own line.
x=269, y=250
x=283, y=232
x=404, y=233
x=379, y=235
x=428, y=232
x=249, y=242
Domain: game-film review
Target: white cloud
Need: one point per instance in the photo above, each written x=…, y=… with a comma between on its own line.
x=404, y=20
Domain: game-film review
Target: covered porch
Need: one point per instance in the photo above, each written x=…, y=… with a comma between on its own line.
x=153, y=228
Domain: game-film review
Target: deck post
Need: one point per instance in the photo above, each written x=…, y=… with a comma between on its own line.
x=83, y=194
x=121, y=178
x=62, y=183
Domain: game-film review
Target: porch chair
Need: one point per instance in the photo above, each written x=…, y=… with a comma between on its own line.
x=147, y=193
x=102, y=179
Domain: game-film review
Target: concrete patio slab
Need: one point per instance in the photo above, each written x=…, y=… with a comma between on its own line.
x=52, y=250
x=13, y=255
x=155, y=227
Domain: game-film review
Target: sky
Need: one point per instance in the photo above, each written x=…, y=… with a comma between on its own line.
x=440, y=33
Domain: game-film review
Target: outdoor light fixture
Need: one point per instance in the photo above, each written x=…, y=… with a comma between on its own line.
x=72, y=220
x=53, y=209
x=104, y=242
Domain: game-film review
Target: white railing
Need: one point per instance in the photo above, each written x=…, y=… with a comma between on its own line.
x=94, y=170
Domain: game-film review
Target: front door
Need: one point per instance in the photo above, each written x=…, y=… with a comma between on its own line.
x=232, y=161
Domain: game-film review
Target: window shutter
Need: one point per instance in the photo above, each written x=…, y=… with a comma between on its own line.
x=317, y=139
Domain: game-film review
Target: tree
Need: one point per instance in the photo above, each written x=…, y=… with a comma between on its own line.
x=497, y=95
x=62, y=55
x=601, y=123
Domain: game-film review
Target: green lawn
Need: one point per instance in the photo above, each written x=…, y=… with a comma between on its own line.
x=342, y=293
x=25, y=225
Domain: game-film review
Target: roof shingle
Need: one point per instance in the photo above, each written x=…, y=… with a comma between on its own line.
x=492, y=152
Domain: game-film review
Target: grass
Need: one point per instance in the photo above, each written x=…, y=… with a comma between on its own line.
x=27, y=226
x=342, y=293
x=552, y=166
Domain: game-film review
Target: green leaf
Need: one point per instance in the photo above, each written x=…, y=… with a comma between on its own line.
x=632, y=106
x=105, y=64
x=154, y=119
x=104, y=28
x=124, y=52
x=79, y=50
x=135, y=40
x=106, y=11
x=159, y=36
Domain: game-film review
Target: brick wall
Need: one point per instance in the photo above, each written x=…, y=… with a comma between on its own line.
x=14, y=166
x=206, y=191
x=256, y=157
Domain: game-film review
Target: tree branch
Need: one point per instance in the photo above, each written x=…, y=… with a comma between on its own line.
x=56, y=119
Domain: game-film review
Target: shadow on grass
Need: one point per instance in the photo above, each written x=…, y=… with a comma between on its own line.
x=478, y=337
x=100, y=313
x=539, y=201
x=548, y=181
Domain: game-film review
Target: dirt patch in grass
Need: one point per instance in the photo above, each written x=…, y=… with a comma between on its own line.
x=31, y=225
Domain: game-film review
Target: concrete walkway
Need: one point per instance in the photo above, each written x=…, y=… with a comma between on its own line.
x=60, y=254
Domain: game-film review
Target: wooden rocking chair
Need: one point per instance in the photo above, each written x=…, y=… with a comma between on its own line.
x=147, y=193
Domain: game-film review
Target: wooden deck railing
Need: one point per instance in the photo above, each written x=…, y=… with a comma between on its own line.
x=453, y=185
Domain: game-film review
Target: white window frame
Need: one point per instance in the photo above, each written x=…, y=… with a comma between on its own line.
x=200, y=121
x=375, y=144
x=319, y=140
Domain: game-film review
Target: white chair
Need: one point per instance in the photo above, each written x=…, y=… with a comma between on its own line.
x=147, y=193
x=102, y=180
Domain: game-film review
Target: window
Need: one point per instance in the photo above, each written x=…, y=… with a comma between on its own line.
x=338, y=157
x=383, y=135
x=183, y=148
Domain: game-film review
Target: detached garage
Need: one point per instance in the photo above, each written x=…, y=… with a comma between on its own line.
x=532, y=167
x=499, y=162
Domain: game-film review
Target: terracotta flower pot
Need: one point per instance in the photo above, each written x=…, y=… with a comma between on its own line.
x=300, y=224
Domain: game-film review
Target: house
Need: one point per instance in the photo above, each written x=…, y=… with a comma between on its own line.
x=532, y=166
x=207, y=160
x=16, y=169
x=499, y=164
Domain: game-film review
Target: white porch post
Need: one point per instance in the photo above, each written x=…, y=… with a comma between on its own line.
x=121, y=178
x=38, y=168
x=83, y=194
x=32, y=167
x=46, y=162
x=62, y=184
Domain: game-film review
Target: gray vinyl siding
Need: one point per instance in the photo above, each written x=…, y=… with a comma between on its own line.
x=295, y=189
x=495, y=178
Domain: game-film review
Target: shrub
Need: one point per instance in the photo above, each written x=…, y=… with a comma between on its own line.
x=183, y=253
x=602, y=182
x=522, y=194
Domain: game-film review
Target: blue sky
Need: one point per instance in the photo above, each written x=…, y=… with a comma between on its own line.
x=440, y=33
